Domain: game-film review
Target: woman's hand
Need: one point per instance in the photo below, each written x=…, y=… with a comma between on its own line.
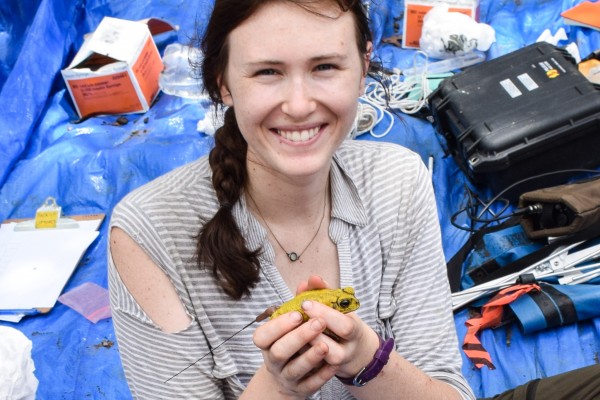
x=355, y=342
x=351, y=342
x=302, y=357
x=294, y=365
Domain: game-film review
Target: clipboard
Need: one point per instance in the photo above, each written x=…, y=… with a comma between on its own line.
x=36, y=264
x=71, y=222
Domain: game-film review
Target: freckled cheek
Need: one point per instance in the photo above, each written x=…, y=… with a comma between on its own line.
x=247, y=121
x=260, y=102
x=345, y=105
x=252, y=108
x=344, y=95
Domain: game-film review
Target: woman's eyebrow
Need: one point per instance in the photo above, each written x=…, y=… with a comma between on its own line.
x=324, y=57
x=263, y=63
x=330, y=56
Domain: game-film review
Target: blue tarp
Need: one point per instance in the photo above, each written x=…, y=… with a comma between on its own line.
x=89, y=166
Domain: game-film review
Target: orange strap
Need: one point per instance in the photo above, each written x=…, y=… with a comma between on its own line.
x=491, y=316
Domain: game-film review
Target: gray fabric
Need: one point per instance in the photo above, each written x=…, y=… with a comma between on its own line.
x=384, y=223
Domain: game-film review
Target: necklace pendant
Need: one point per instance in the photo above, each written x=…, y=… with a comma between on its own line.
x=293, y=256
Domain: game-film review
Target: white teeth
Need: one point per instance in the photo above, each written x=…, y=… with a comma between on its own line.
x=299, y=136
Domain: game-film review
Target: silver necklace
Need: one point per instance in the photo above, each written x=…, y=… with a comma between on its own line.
x=291, y=255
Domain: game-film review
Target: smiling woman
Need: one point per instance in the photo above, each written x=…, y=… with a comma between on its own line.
x=285, y=203
x=294, y=108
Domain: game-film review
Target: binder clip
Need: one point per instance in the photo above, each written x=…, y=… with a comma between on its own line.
x=47, y=216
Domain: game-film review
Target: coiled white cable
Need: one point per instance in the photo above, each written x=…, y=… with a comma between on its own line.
x=406, y=93
x=368, y=116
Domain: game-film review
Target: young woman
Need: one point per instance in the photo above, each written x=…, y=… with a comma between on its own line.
x=285, y=203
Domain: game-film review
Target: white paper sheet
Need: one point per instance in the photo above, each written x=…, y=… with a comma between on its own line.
x=35, y=265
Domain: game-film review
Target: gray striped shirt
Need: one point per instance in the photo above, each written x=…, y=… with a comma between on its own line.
x=384, y=223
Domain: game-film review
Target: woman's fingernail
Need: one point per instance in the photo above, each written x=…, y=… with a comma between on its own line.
x=296, y=316
x=307, y=305
x=321, y=349
x=316, y=325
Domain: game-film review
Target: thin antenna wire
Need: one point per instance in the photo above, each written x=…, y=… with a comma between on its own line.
x=210, y=352
x=264, y=315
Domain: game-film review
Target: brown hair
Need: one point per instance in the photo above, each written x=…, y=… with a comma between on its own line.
x=220, y=243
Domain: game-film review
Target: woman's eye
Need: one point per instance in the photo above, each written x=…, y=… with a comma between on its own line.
x=325, y=67
x=266, y=72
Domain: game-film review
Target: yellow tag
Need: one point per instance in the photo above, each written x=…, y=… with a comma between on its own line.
x=48, y=214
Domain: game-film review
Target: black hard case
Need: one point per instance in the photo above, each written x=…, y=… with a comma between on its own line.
x=524, y=114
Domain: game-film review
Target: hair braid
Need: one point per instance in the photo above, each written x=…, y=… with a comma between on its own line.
x=221, y=244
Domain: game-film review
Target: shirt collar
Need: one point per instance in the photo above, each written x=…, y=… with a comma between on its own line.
x=346, y=202
x=346, y=206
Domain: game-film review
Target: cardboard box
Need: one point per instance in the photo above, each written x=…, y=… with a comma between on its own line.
x=415, y=10
x=117, y=68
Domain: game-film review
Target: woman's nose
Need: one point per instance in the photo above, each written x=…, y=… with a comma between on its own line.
x=299, y=99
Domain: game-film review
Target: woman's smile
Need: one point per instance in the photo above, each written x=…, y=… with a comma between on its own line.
x=298, y=135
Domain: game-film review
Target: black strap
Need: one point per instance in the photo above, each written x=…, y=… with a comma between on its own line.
x=455, y=265
x=533, y=257
x=557, y=308
x=478, y=275
x=548, y=308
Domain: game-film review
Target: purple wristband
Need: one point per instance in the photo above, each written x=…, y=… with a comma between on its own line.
x=368, y=373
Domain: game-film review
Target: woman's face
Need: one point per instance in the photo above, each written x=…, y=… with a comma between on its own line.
x=293, y=78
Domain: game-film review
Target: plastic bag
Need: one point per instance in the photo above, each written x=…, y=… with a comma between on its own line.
x=89, y=300
x=448, y=34
x=177, y=78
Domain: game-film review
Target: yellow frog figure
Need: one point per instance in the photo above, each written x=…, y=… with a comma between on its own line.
x=342, y=300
